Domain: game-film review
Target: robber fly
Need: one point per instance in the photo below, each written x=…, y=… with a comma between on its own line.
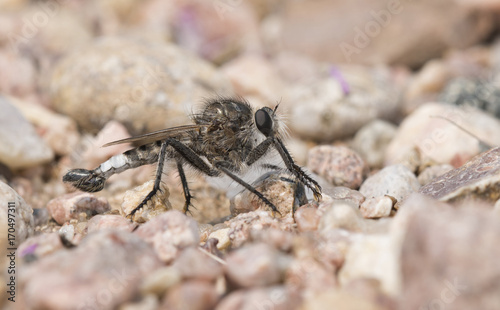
x=224, y=140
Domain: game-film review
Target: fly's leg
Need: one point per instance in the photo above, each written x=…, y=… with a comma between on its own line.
x=187, y=194
x=156, y=187
x=297, y=170
x=191, y=158
x=261, y=149
x=221, y=167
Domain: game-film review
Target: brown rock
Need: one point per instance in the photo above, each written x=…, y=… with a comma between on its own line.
x=102, y=272
x=254, y=265
x=191, y=295
x=450, y=258
x=478, y=179
x=69, y=206
x=168, y=233
x=339, y=165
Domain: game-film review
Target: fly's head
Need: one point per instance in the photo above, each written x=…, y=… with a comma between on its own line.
x=268, y=122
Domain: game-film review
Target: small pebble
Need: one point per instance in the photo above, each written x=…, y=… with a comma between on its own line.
x=257, y=264
x=376, y=207
x=371, y=141
x=396, y=181
x=194, y=263
x=222, y=235
x=69, y=206
x=307, y=218
x=160, y=281
x=192, y=295
x=339, y=165
x=168, y=233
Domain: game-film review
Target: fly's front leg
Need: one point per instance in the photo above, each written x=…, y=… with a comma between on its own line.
x=261, y=149
x=296, y=169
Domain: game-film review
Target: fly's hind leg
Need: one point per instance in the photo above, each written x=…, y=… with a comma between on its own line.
x=185, y=187
x=156, y=187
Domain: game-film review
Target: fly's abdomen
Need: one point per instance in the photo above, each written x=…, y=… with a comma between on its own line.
x=94, y=180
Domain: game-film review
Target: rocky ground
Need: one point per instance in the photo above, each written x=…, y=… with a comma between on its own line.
x=392, y=106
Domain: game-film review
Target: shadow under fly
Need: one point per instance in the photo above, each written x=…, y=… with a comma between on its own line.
x=226, y=138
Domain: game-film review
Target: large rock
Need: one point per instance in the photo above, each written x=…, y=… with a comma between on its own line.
x=21, y=147
x=439, y=140
x=16, y=218
x=450, y=258
x=104, y=271
x=376, y=257
x=338, y=102
x=145, y=85
x=367, y=35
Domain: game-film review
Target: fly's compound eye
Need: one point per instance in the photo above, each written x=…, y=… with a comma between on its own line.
x=263, y=121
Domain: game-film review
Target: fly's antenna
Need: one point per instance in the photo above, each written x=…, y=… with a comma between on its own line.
x=483, y=146
x=276, y=107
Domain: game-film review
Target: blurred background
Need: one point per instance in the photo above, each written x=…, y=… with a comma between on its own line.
x=373, y=75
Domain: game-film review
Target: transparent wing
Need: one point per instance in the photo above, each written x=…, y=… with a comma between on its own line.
x=157, y=135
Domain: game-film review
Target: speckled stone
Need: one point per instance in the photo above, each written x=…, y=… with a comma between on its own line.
x=168, y=233
x=396, y=181
x=339, y=165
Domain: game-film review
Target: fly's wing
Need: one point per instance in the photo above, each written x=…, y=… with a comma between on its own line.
x=157, y=135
